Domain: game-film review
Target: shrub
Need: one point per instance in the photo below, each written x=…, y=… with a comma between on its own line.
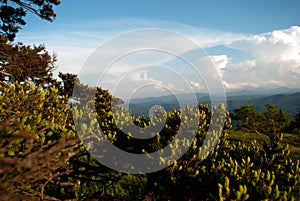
x=36, y=139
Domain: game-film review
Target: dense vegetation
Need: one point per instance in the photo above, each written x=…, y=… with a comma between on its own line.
x=42, y=157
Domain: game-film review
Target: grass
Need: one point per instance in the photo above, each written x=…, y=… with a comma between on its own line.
x=294, y=143
x=293, y=140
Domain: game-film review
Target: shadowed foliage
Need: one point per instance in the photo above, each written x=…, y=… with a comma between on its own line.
x=37, y=139
x=20, y=62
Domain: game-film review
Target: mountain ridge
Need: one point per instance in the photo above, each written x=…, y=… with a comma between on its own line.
x=286, y=99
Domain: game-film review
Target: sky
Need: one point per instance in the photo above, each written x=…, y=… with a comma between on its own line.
x=250, y=44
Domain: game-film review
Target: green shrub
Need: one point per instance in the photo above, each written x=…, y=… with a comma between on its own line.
x=41, y=157
x=36, y=139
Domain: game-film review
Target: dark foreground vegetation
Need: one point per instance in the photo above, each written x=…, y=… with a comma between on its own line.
x=42, y=157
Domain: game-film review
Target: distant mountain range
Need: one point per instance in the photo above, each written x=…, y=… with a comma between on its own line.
x=286, y=99
x=289, y=103
x=264, y=91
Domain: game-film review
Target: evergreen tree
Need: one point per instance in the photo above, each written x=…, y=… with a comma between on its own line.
x=13, y=12
x=271, y=123
x=295, y=124
x=23, y=62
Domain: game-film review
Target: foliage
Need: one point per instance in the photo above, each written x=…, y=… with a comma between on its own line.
x=295, y=124
x=247, y=118
x=242, y=171
x=275, y=121
x=236, y=136
x=37, y=139
x=232, y=172
x=271, y=123
x=43, y=159
x=67, y=84
x=20, y=62
x=13, y=12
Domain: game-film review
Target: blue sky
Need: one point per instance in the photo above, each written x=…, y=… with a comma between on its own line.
x=253, y=16
x=252, y=43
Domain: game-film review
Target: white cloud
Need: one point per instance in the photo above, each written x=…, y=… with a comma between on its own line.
x=220, y=61
x=244, y=65
x=73, y=43
x=278, y=45
x=276, y=60
x=197, y=86
x=275, y=56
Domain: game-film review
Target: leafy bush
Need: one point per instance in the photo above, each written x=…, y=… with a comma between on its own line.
x=42, y=158
x=36, y=139
x=230, y=172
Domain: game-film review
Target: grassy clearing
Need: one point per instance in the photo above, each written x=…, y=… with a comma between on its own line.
x=293, y=140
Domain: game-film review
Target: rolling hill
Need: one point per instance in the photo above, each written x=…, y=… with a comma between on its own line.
x=288, y=100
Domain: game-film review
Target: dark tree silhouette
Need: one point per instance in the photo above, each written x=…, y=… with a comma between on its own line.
x=12, y=13
x=22, y=62
x=295, y=124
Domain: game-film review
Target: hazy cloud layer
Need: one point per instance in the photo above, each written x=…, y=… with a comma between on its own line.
x=272, y=59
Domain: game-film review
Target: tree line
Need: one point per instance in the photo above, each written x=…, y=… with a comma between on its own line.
x=271, y=123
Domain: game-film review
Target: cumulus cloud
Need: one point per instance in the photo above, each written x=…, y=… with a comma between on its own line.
x=276, y=45
x=220, y=61
x=274, y=57
x=276, y=60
